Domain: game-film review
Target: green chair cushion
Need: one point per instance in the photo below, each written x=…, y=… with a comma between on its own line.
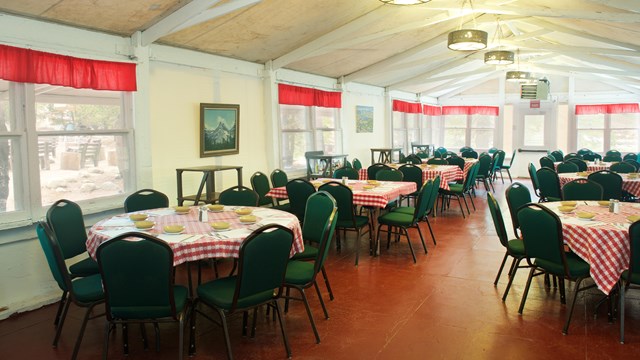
x=180, y=294
x=84, y=267
x=88, y=289
x=516, y=247
x=219, y=293
x=456, y=188
x=505, y=167
x=299, y=272
x=396, y=219
x=635, y=277
x=405, y=210
x=309, y=253
x=577, y=266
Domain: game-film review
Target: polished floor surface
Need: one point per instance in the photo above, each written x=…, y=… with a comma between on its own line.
x=443, y=307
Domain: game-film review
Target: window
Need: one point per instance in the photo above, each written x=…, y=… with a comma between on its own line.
x=408, y=125
x=307, y=128
x=67, y=143
x=469, y=125
x=534, y=130
x=604, y=127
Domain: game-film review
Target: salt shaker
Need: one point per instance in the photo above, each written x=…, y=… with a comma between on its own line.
x=614, y=206
x=203, y=216
x=344, y=180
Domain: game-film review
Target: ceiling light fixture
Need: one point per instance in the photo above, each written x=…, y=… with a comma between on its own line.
x=467, y=39
x=498, y=56
x=405, y=2
x=517, y=75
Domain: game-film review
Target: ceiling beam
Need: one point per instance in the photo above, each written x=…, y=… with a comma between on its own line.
x=458, y=90
x=192, y=13
x=538, y=45
x=619, y=4
x=453, y=82
x=587, y=70
x=416, y=79
x=332, y=36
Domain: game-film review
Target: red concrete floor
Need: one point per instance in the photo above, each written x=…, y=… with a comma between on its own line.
x=443, y=307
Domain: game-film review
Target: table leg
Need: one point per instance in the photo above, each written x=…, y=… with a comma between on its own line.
x=373, y=214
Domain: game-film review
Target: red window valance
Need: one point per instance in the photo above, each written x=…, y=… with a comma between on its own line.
x=297, y=95
x=38, y=67
x=431, y=110
x=607, y=109
x=471, y=110
x=407, y=107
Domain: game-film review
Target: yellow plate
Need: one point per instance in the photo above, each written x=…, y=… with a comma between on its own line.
x=215, y=207
x=585, y=215
x=138, y=217
x=220, y=225
x=244, y=211
x=566, y=209
x=144, y=225
x=173, y=229
x=248, y=219
x=603, y=202
x=569, y=203
x=633, y=218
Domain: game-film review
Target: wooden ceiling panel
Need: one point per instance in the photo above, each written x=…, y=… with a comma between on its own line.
x=31, y=8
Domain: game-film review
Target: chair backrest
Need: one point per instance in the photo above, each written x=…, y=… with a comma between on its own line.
x=262, y=264
x=344, y=200
x=469, y=154
x=442, y=151
x=239, y=195
x=373, y=170
x=65, y=219
x=347, y=164
x=492, y=150
x=465, y=148
x=498, y=159
x=634, y=259
x=542, y=234
x=572, y=156
x=470, y=180
x=513, y=156
x=582, y=189
x=389, y=175
x=485, y=165
x=298, y=191
x=613, y=153
x=357, y=164
x=582, y=165
x=633, y=163
x=557, y=155
x=279, y=178
x=137, y=277
x=591, y=157
x=549, y=183
x=412, y=173
x=567, y=167
x=412, y=159
x=498, y=221
x=612, y=158
x=260, y=184
x=53, y=254
x=438, y=161
x=630, y=156
x=547, y=162
x=534, y=178
x=145, y=199
x=434, y=195
x=611, y=183
x=622, y=167
x=456, y=160
x=584, y=151
x=327, y=218
x=517, y=195
x=422, y=155
x=319, y=208
x=349, y=172
x=423, y=200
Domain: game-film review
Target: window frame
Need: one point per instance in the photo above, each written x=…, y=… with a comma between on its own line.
x=606, y=131
x=467, y=129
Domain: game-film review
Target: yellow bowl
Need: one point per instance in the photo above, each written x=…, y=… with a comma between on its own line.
x=372, y=182
x=215, y=207
x=569, y=203
x=326, y=180
x=632, y=175
x=633, y=218
x=603, y=202
x=144, y=224
x=248, y=218
x=173, y=229
x=368, y=187
x=138, y=217
x=244, y=211
x=566, y=209
x=181, y=209
x=582, y=173
x=585, y=215
x=220, y=225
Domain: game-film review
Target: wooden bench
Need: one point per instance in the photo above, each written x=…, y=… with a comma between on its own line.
x=46, y=153
x=90, y=151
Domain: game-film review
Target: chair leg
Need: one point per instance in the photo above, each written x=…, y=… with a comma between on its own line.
x=472, y=203
x=465, y=203
x=324, y=308
x=61, y=324
x=430, y=230
x=621, y=306
x=563, y=297
x=357, y=244
x=406, y=233
x=76, y=348
x=308, y=308
x=105, y=348
x=424, y=246
x=504, y=260
x=192, y=329
x=125, y=339
x=282, y=328
x=526, y=290
x=326, y=282
x=63, y=299
x=509, y=173
x=512, y=275
x=156, y=329
x=143, y=333
x=225, y=329
x=565, y=331
x=180, y=339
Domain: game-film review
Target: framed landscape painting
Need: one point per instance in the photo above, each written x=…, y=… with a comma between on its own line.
x=219, y=129
x=364, y=119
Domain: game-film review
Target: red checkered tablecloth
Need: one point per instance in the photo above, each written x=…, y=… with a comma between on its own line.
x=448, y=173
x=591, y=166
x=602, y=242
x=377, y=197
x=204, y=244
x=631, y=186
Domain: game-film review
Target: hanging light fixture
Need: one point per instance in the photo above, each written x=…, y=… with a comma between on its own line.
x=498, y=57
x=405, y=2
x=517, y=75
x=467, y=39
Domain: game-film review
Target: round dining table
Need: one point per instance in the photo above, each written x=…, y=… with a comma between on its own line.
x=198, y=241
x=630, y=184
x=602, y=241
